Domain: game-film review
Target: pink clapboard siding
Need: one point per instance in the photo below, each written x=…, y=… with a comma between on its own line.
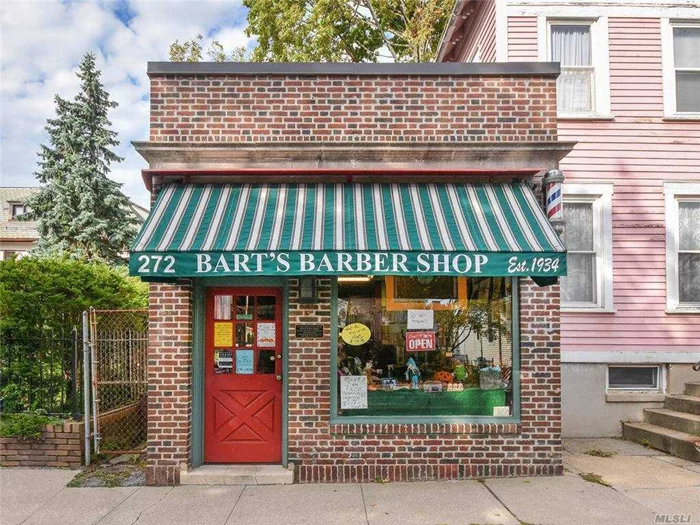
x=637, y=152
x=480, y=34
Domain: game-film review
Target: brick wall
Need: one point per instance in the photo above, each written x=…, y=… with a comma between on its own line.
x=169, y=381
x=351, y=452
x=61, y=445
x=268, y=108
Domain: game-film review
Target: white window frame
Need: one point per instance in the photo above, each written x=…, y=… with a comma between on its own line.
x=669, y=68
x=13, y=205
x=675, y=192
x=600, y=60
x=600, y=195
x=660, y=379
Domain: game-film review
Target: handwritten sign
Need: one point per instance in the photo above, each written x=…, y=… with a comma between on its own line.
x=420, y=341
x=223, y=334
x=244, y=362
x=355, y=334
x=266, y=335
x=420, y=319
x=353, y=392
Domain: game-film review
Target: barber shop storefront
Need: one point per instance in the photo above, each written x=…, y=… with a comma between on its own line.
x=354, y=270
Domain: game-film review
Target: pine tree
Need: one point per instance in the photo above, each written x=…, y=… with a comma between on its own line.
x=80, y=211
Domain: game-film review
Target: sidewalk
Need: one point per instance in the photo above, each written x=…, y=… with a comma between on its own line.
x=644, y=483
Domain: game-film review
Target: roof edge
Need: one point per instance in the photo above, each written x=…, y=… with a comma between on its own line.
x=368, y=69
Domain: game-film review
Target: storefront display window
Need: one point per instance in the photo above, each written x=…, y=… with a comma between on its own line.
x=425, y=346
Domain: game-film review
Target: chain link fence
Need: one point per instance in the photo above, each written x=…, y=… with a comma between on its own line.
x=119, y=351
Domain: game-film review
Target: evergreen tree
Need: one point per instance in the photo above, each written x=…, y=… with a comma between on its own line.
x=82, y=212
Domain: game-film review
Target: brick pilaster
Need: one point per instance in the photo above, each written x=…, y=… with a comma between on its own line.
x=169, y=381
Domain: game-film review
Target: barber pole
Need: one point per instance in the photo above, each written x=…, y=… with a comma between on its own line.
x=554, y=204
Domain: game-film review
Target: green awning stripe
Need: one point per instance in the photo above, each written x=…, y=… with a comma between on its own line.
x=475, y=217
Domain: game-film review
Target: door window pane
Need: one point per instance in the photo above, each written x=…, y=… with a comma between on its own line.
x=266, y=362
x=222, y=307
x=266, y=308
x=244, y=334
x=571, y=47
x=245, y=307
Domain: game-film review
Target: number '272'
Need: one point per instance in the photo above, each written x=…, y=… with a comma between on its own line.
x=152, y=263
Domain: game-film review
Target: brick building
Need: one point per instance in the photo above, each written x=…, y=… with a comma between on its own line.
x=352, y=270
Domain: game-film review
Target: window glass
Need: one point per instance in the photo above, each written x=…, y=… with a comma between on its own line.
x=689, y=252
x=266, y=308
x=686, y=43
x=17, y=210
x=446, y=351
x=633, y=377
x=571, y=46
x=579, y=285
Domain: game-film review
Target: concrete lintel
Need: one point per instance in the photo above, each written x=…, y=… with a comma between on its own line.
x=505, y=69
x=535, y=156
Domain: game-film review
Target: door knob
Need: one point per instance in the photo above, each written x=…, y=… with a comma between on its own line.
x=279, y=356
x=279, y=378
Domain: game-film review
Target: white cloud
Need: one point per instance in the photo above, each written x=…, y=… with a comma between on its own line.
x=42, y=43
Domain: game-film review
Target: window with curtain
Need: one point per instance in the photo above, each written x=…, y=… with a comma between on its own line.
x=689, y=252
x=686, y=61
x=579, y=286
x=571, y=46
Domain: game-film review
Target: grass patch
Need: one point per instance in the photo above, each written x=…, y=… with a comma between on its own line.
x=599, y=453
x=25, y=425
x=103, y=473
x=594, y=478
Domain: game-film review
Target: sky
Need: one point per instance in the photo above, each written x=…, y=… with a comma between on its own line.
x=42, y=42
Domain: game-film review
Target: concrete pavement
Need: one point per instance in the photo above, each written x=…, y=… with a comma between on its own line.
x=645, y=483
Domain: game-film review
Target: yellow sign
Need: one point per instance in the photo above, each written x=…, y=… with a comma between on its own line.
x=223, y=334
x=355, y=334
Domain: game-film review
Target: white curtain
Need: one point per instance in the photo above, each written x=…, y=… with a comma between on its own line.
x=579, y=284
x=689, y=263
x=571, y=46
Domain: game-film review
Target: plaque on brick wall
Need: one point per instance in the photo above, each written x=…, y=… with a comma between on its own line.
x=309, y=331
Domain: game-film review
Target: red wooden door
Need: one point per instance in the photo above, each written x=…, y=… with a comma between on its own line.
x=243, y=363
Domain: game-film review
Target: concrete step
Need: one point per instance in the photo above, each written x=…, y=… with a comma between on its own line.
x=679, y=444
x=692, y=389
x=689, y=404
x=681, y=421
x=238, y=475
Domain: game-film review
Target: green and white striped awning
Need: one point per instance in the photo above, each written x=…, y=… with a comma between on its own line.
x=326, y=229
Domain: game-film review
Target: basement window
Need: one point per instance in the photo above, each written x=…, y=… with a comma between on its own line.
x=633, y=378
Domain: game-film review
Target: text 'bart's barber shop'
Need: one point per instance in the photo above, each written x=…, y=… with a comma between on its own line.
x=353, y=270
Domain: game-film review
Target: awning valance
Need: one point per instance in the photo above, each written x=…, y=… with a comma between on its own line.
x=483, y=229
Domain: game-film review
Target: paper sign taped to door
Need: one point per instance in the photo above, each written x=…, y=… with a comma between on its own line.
x=353, y=392
x=267, y=335
x=244, y=362
x=223, y=334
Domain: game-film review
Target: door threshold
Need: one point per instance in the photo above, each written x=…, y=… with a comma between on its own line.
x=231, y=474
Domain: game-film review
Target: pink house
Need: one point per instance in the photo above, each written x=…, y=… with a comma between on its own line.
x=629, y=95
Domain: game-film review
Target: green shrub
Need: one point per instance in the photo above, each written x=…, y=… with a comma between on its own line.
x=25, y=425
x=41, y=301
